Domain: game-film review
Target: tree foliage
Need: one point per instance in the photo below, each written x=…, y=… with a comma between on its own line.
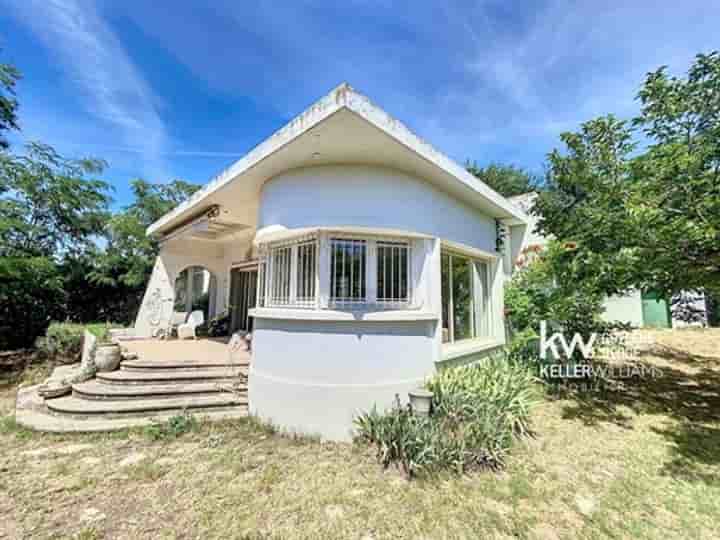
x=49, y=204
x=642, y=199
x=508, y=180
x=130, y=254
x=50, y=213
x=9, y=76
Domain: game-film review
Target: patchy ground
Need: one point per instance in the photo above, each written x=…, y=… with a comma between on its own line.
x=637, y=461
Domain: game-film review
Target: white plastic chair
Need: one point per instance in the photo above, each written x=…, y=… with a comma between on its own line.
x=178, y=318
x=187, y=330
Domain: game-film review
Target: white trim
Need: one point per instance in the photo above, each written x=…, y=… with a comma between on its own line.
x=467, y=251
x=245, y=264
x=277, y=233
x=467, y=347
x=344, y=97
x=337, y=315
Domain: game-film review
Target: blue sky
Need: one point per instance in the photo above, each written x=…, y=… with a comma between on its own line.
x=181, y=89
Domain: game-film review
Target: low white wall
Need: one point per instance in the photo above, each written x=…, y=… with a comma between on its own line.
x=315, y=376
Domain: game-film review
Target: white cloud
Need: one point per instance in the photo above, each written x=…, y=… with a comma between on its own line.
x=112, y=87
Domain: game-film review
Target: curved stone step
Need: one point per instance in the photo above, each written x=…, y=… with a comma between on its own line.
x=157, y=365
x=98, y=390
x=171, y=376
x=78, y=407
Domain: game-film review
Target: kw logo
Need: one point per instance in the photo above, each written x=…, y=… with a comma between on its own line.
x=551, y=344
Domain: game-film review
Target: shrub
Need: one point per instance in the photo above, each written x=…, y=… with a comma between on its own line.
x=544, y=289
x=62, y=342
x=174, y=427
x=478, y=412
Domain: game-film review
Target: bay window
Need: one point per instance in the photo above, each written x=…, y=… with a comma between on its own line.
x=348, y=271
x=393, y=269
x=357, y=272
x=465, y=298
x=289, y=275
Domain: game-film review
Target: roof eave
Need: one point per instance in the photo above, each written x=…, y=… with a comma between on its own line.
x=341, y=97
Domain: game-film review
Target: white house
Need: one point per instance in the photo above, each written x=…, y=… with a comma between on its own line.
x=360, y=257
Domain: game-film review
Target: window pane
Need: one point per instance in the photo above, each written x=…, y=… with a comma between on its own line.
x=261, y=285
x=392, y=271
x=482, y=317
x=280, y=293
x=445, y=297
x=306, y=264
x=462, y=298
x=347, y=270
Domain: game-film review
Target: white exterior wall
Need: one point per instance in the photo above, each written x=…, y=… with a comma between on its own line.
x=157, y=305
x=314, y=376
x=364, y=196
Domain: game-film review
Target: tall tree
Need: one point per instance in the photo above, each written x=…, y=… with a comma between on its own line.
x=130, y=253
x=508, y=180
x=51, y=210
x=645, y=216
x=9, y=75
x=49, y=205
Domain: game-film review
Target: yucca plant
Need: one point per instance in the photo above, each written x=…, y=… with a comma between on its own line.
x=478, y=412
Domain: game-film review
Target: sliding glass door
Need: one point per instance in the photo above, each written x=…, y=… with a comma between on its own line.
x=243, y=292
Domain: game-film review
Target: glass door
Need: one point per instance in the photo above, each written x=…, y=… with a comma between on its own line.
x=243, y=292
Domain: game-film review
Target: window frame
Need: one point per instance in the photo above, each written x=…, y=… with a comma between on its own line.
x=371, y=300
x=485, y=296
x=267, y=268
x=323, y=278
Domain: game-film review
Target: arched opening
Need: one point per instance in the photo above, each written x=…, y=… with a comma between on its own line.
x=196, y=289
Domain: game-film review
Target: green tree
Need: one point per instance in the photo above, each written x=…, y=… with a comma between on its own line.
x=49, y=205
x=51, y=210
x=9, y=75
x=130, y=253
x=508, y=180
x=676, y=204
x=645, y=216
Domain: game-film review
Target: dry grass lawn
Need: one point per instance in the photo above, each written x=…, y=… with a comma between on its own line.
x=638, y=461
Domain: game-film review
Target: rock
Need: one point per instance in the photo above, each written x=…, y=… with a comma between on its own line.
x=73, y=448
x=91, y=515
x=334, y=511
x=92, y=461
x=586, y=505
x=132, y=459
x=53, y=389
x=543, y=531
x=64, y=450
x=166, y=461
x=37, y=452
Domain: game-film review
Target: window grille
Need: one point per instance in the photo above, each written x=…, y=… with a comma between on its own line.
x=348, y=261
x=393, y=271
x=261, y=284
x=306, y=266
x=281, y=260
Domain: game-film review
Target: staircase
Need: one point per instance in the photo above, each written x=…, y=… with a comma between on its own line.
x=144, y=389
